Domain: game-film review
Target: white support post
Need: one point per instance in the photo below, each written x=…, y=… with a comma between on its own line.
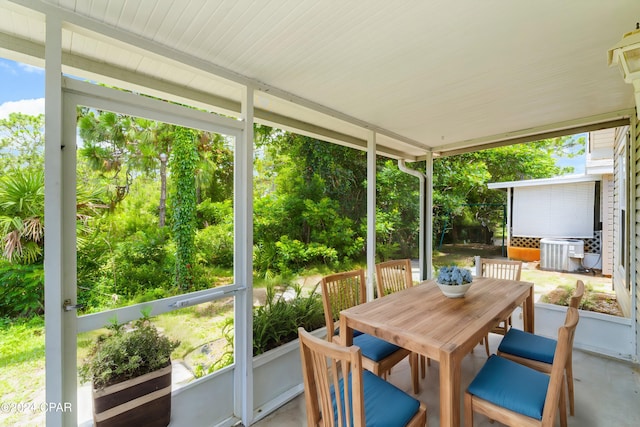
x=57, y=383
x=422, y=180
x=427, y=270
x=508, y=230
x=371, y=213
x=243, y=264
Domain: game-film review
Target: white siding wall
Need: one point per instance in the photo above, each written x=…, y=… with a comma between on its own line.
x=606, y=214
x=635, y=138
x=620, y=231
x=600, y=146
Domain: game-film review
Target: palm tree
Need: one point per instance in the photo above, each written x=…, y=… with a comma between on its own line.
x=113, y=142
x=22, y=215
x=107, y=145
x=154, y=144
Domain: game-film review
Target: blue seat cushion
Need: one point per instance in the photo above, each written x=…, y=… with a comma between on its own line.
x=512, y=386
x=529, y=346
x=374, y=348
x=385, y=405
x=355, y=332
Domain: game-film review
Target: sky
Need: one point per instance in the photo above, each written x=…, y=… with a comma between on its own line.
x=21, y=88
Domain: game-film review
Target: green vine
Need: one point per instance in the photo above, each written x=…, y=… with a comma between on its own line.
x=184, y=158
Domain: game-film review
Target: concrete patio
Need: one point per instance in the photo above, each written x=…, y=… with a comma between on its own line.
x=607, y=392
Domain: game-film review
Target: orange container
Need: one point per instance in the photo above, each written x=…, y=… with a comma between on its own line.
x=523, y=254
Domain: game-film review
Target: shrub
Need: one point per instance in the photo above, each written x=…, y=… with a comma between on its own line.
x=213, y=213
x=21, y=289
x=214, y=245
x=294, y=255
x=142, y=262
x=277, y=321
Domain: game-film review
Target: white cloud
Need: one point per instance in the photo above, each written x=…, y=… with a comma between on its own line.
x=32, y=107
x=30, y=68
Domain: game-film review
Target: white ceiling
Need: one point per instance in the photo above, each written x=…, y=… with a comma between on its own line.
x=435, y=75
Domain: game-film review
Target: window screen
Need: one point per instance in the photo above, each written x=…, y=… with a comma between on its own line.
x=563, y=210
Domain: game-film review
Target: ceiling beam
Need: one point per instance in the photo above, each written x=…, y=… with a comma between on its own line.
x=588, y=124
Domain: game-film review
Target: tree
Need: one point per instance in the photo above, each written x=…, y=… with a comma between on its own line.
x=21, y=141
x=153, y=145
x=320, y=189
x=106, y=146
x=397, y=210
x=460, y=190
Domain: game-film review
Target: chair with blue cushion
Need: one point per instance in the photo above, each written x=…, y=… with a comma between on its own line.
x=519, y=396
x=393, y=276
x=345, y=290
x=498, y=269
x=363, y=399
x=537, y=352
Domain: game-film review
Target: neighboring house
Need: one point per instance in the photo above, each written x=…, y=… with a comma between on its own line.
x=569, y=222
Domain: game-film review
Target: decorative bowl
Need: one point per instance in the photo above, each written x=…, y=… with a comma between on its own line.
x=454, y=291
x=454, y=281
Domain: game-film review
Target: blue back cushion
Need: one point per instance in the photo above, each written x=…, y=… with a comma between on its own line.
x=385, y=405
x=529, y=346
x=512, y=386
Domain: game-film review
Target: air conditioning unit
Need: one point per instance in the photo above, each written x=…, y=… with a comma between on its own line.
x=561, y=254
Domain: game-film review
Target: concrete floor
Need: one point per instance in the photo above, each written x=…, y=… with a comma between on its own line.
x=607, y=392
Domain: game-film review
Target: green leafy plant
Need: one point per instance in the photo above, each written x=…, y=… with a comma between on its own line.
x=21, y=289
x=563, y=293
x=123, y=354
x=277, y=321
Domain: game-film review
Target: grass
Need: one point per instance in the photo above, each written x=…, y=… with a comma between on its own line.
x=22, y=365
x=462, y=255
x=546, y=281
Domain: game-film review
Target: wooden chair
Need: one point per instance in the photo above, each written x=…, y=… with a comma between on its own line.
x=344, y=290
x=362, y=399
x=393, y=276
x=517, y=395
x=498, y=269
x=537, y=352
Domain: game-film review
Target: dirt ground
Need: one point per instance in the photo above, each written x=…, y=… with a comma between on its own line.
x=602, y=302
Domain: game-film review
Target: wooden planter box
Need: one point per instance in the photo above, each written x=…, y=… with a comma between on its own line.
x=144, y=401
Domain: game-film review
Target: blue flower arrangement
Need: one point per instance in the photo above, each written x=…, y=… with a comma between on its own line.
x=453, y=275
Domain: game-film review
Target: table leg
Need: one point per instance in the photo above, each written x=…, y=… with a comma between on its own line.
x=528, y=312
x=415, y=371
x=449, y=390
x=346, y=333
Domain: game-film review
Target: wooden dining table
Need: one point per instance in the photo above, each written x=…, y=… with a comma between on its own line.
x=423, y=320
